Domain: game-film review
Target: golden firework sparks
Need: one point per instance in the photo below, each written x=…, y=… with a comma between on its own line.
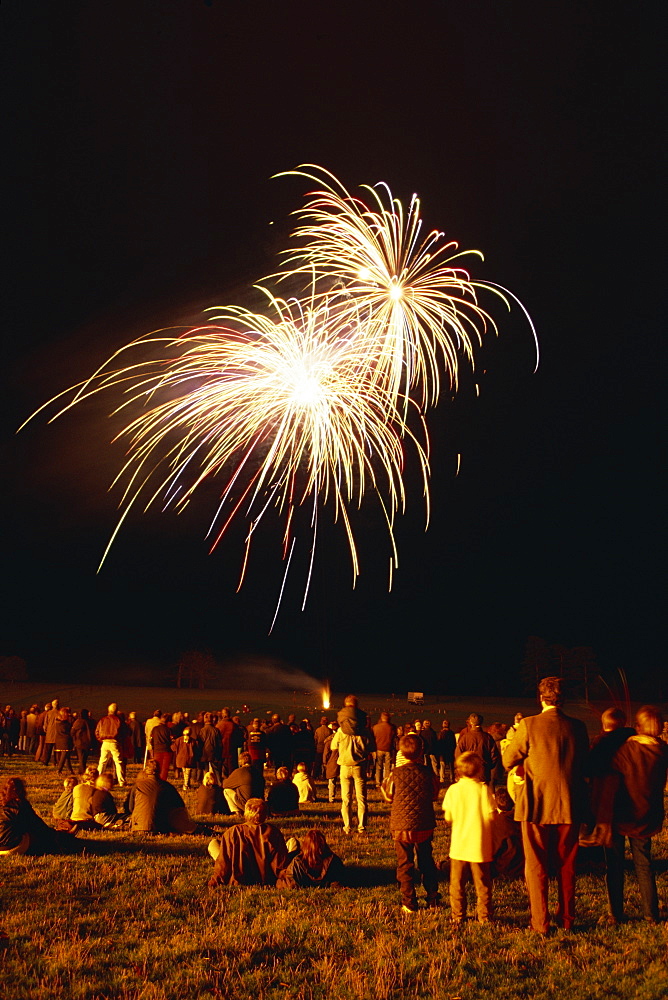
x=283, y=399
x=310, y=403
x=415, y=308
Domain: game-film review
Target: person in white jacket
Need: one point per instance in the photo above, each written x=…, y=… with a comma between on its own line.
x=469, y=807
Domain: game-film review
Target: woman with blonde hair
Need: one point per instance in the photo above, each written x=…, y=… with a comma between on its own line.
x=82, y=795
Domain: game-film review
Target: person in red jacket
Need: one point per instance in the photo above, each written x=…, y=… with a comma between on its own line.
x=232, y=740
x=186, y=753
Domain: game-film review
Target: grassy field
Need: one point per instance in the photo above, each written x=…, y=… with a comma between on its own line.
x=132, y=918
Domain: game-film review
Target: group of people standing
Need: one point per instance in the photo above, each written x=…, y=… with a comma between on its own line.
x=57, y=735
x=567, y=793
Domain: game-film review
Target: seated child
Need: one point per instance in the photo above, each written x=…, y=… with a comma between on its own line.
x=62, y=809
x=102, y=804
x=469, y=806
x=313, y=866
x=304, y=785
x=283, y=797
x=209, y=798
x=250, y=853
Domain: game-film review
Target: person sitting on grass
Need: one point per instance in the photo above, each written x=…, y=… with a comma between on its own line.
x=251, y=853
x=209, y=798
x=469, y=806
x=102, y=804
x=314, y=866
x=64, y=804
x=156, y=806
x=304, y=785
x=81, y=799
x=22, y=831
x=283, y=797
x=412, y=788
x=245, y=782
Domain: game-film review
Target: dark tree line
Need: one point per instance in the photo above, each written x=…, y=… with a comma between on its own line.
x=577, y=665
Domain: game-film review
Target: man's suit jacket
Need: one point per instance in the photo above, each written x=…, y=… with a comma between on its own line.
x=553, y=748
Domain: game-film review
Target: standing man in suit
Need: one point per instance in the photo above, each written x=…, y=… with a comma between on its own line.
x=551, y=749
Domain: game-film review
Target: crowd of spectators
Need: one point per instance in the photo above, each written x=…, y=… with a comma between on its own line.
x=518, y=798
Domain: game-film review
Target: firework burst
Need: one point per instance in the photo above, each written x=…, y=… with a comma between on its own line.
x=279, y=406
x=416, y=311
x=313, y=402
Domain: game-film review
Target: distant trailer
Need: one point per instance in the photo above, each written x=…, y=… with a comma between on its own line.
x=416, y=697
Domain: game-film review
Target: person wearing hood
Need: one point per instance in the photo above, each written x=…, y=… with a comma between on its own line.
x=354, y=742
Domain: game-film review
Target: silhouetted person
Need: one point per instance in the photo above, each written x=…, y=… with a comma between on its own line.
x=474, y=740
x=641, y=764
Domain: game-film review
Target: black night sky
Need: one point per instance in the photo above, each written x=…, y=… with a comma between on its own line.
x=142, y=139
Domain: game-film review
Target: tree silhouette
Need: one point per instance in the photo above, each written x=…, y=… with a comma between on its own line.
x=196, y=668
x=536, y=663
x=13, y=668
x=576, y=665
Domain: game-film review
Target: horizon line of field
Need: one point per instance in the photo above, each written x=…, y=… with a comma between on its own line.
x=146, y=699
